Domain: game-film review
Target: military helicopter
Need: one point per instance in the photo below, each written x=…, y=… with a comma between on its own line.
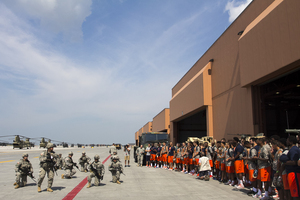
x=18, y=143
x=43, y=143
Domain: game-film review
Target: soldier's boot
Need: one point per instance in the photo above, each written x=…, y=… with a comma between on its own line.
x=49, y=190
x=89, y=185
x=17, y=186
x=85, y=171
x=39, y=189
x=62, y=176
x=15, y=183
x=118, y=182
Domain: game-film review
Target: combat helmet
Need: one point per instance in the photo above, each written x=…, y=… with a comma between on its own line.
x=83, y=152
x=97, y=157
x=25, y=155
x=49, y=145
x=115, y=157
x=71, y=153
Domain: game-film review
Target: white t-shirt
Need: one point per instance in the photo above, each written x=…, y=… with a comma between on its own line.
x=204, y=161
x=127, y=153
x=148, y=151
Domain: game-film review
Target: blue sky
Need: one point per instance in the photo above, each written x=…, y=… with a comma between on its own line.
x=86, y=71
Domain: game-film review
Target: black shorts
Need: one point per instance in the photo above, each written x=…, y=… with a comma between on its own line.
x=147, y=158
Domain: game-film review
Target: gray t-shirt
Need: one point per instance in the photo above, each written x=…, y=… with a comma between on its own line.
x=276, y=158
x=223, y=155
x=264, y=153
x=285, y=152
x=209, y=151
x=219, y=152
x=197, y=150
x=229, y=154
x=178, y=152
x=253, y=153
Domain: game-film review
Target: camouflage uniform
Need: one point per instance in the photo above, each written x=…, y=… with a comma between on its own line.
x=140, y=155
x=60, y=161
x=23, y=169
x=100, y=170
x=113, y=152
x=47, y=159
x=116, y=169
x=84, y=161
x=70, y=171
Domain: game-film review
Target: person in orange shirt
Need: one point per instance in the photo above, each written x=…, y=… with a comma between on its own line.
x=190, y=165
x=264, y=168
x=252, y=165
x=218, y=160
x=178, y=157
x=164, y=154
x=153, y=151
x=158, y=157
x=291, y=166
x=222, y=162
x=282, y=171
x=229, y=164
x=184, y=157
x=238, y=162
x=171, y=153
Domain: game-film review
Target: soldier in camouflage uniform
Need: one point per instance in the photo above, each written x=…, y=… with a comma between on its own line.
x=97, y=171
x=60, y=161
x=84, y=161
x=140, y=155
x=48, y=160
x=116, y=169
x=69, y=164
x=23, y=169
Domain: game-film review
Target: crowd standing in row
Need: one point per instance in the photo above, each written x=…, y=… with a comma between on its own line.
x=269, y=166
x=50, y=162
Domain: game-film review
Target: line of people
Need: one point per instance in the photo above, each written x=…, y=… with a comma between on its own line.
x=269, y=166
x=50, y=162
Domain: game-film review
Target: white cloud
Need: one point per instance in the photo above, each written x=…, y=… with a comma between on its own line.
x=58, y=16
x=235, y=8
x=43, y=88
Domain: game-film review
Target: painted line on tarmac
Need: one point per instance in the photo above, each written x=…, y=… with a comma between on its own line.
x=7, y=161
x=78, y=188
x=35, y=157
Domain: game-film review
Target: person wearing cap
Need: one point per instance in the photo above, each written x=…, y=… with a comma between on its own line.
x=84, y=160
x=69, y=167
x=48, y=159
x=96, y=167
x=23, y=168
x=116, y=169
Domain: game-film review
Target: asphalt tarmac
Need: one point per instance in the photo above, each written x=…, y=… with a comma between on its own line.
x=139, y=182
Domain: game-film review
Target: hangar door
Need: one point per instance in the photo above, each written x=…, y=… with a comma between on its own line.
x=279, y=104
x=192, y=126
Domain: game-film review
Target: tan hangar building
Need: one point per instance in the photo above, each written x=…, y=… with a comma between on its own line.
x=247, y=82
